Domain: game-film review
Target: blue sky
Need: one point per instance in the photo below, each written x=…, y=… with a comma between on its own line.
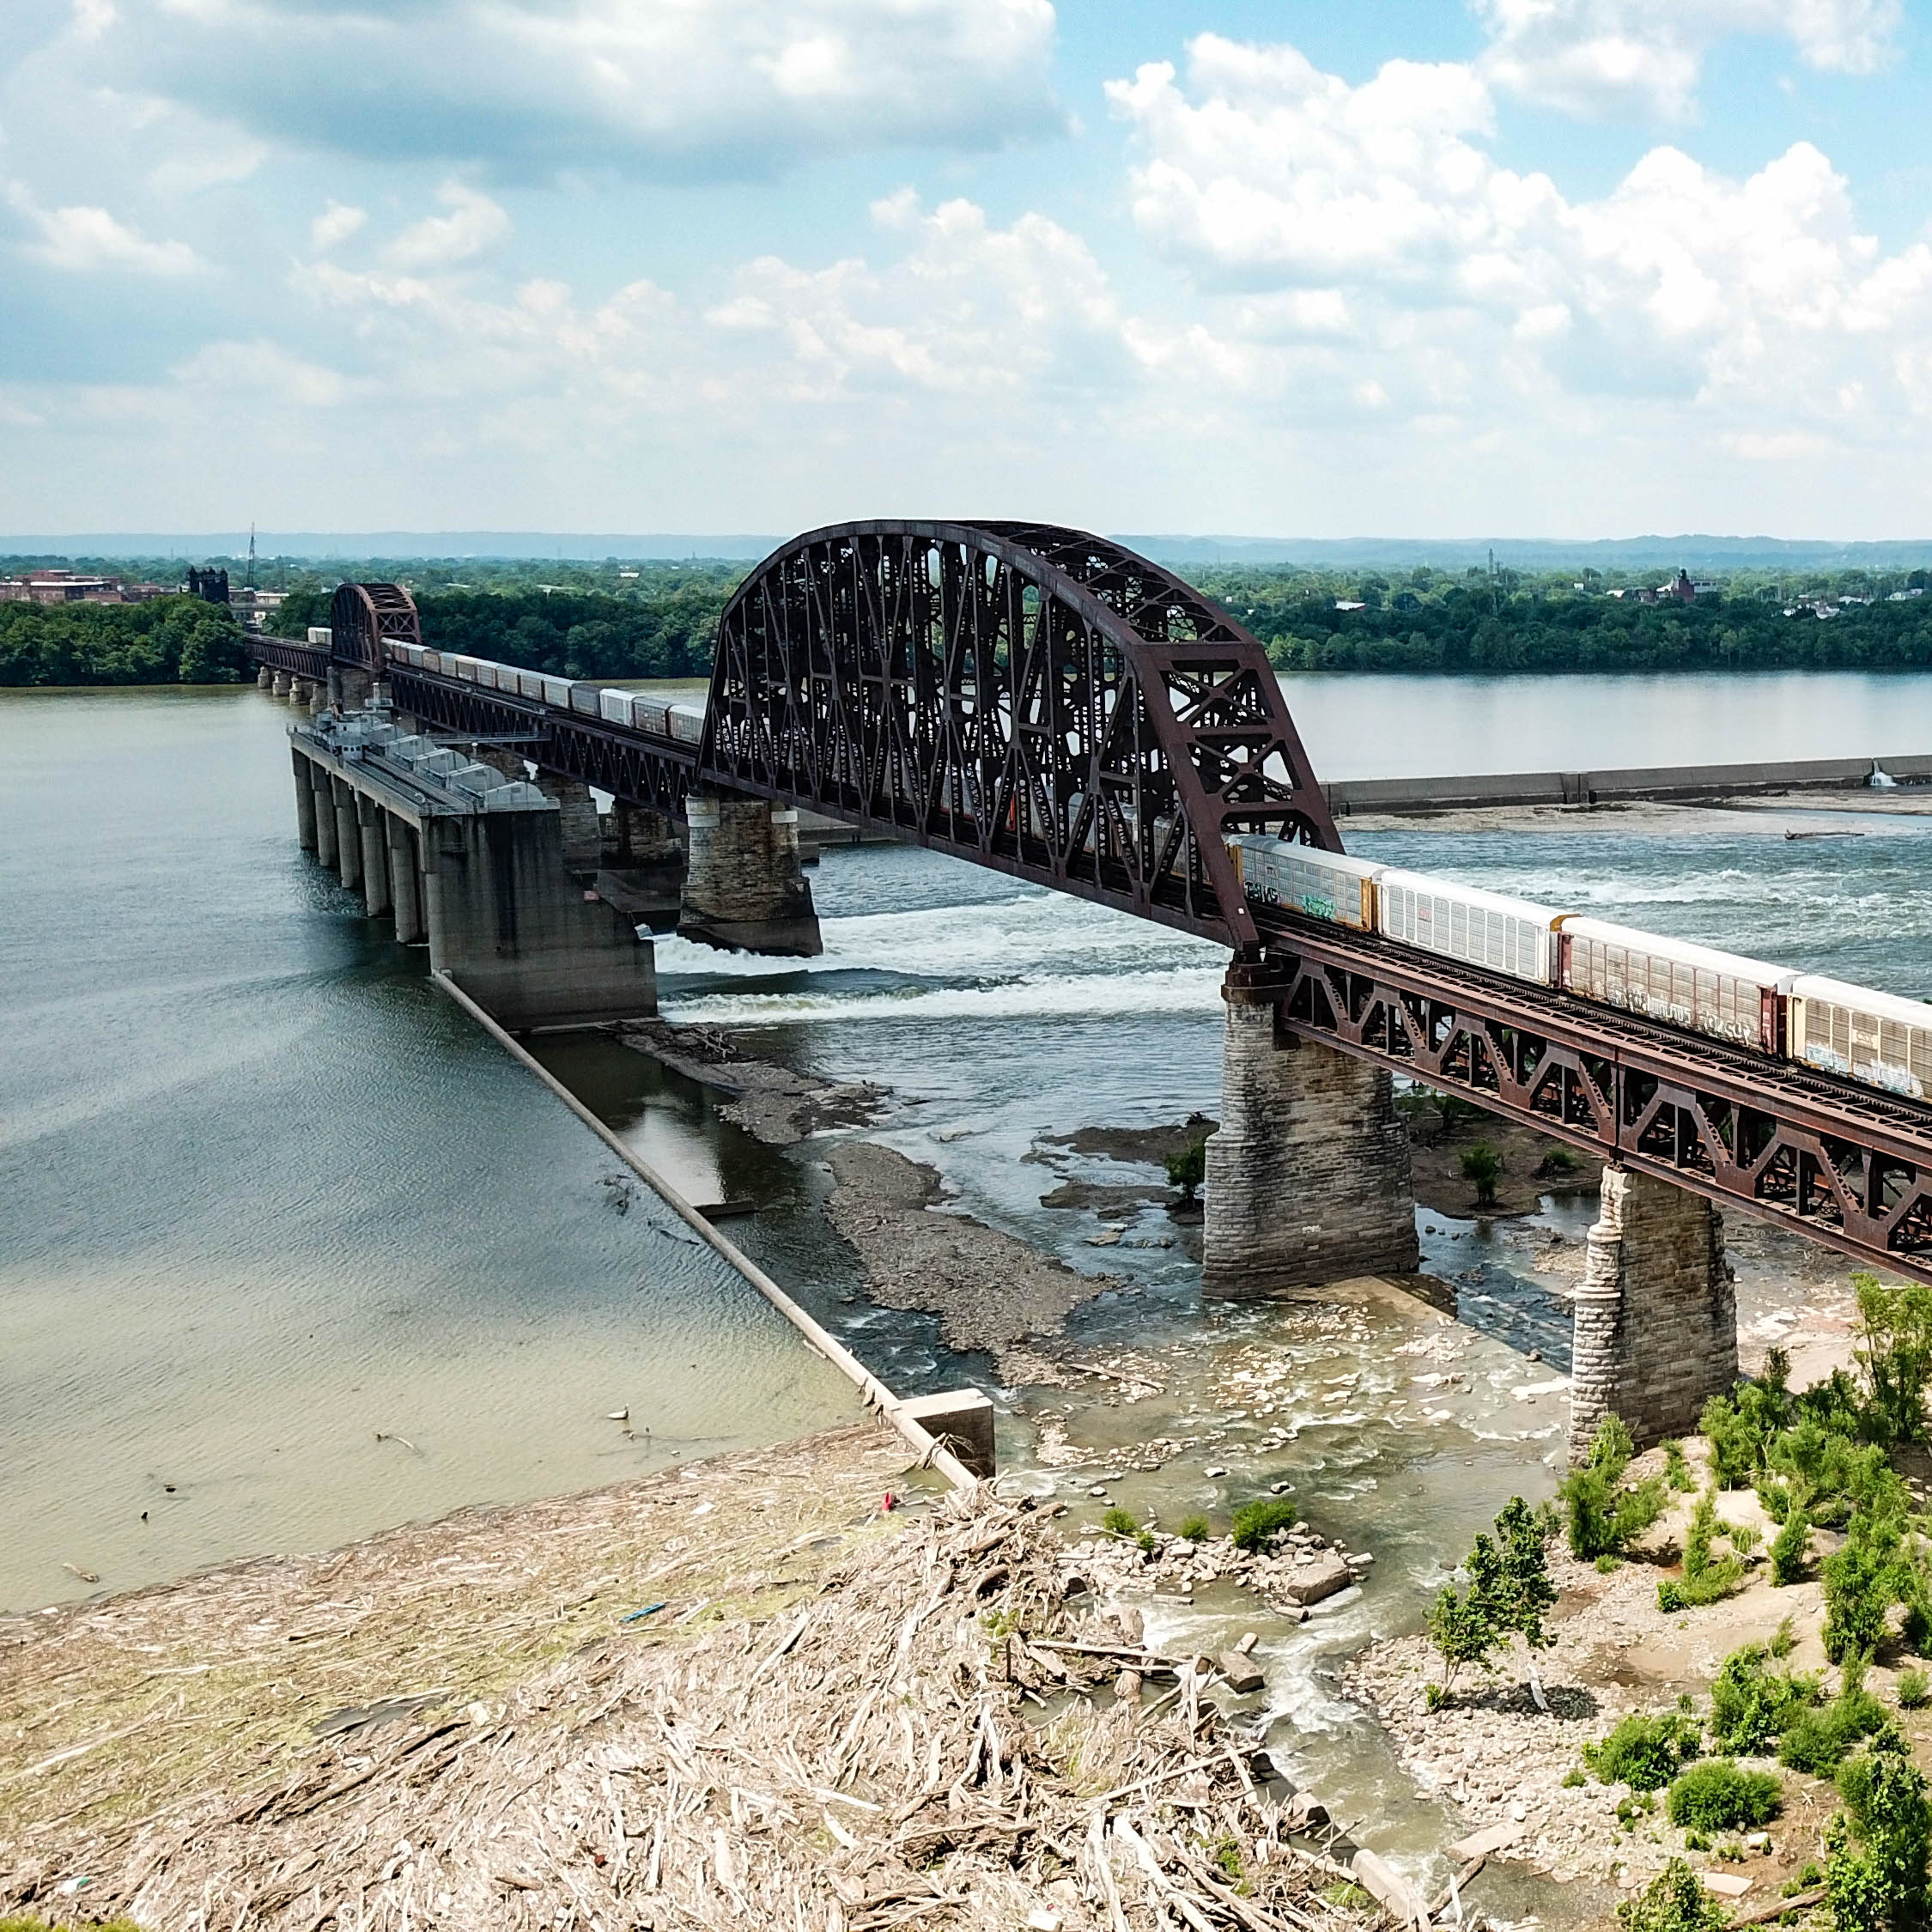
x=1527, y=267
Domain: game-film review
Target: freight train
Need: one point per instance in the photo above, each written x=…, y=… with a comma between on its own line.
x=1876, y=1038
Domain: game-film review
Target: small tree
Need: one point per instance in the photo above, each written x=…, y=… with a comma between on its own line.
x=1876, y=1847
x=1188, y=1169
x=1603, y=1518
x=1894, y=1352
x=1509, y=1591
x=1481, y=1166
x=1674, y=1901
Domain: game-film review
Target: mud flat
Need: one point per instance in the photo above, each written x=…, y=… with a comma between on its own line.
x=770, y=1102
x=745, y=1694
x=989, y=1289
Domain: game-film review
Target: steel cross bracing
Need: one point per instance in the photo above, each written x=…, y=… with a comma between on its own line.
x=1843, y=1164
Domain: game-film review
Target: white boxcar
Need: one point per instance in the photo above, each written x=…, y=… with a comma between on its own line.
x=1880, y=1038
x=465, y=668
x=322, y=635
x=1702, y=990
x=687, y=723
x=614, y=707
x=554, y=691
x=1302, y=878
x=1488, y=929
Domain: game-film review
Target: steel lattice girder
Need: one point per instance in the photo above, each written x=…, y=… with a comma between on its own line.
x=362, y=617
x=1844, y=1164
x=1031, y=698
x=302, y=660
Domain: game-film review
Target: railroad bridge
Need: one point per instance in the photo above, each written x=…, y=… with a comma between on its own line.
x=1044, y=702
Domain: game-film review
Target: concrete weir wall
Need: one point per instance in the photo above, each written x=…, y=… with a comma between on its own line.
x=1309, y=1176
x=1655, y=1321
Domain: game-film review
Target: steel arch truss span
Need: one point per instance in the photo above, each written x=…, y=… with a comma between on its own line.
x=364, y=618
x=1031, y=698
x=1847, y=1166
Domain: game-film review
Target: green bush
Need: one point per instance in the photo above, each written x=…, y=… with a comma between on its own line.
x=1258, y=1523
x=1819, y=1741
x=1914, y=1689
x=1894, y=1352
x=1482, y=1167
x=1195, y=1529
x=1751, y=1706
x=1674, y=1901
x=1509, y=1590
x=1601, y=1518
x=1118, y=1521
x=1644, y=1753
x=1706, y=1579
x=1188, y=1169
x=1876, y=1847
x=1862, y=1581
x=1791, y=1549
x=1717, y=1796
x=1677, y=1471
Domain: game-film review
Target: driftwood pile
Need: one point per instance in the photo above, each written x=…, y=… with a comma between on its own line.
x=945, y=1732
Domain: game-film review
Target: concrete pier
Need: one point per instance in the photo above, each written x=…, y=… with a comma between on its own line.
x=1307, y=1177
x=744, y=887
x=264, y=678
x=374, y=839
x=582, y=834
x=475, y=864
x=279, y=682
x=349, y=835
x=405, y=881
x=1655, y=1319
x=305, y=801
x=349, y=687
x=322, y=788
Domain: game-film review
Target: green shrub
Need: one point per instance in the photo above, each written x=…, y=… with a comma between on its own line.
x=1482, y=1167
x=1644, y=1753
x=1509, y=1590
x=1894, y=1352
x=1914, y=1689
x=1717, y=1796
x=1876, y=1847
x=1256, y=1524
x=1573, y=1778
x=1791, y=1549
x=1677, y=1471
x=1783, y=1639
x=1751, y=1706
x=1862, y=1581
x=1819, y=1741
x=1188, y=1169
x=1195, y=1529
x=1706, y=1579
x=1601, y=1518
x=1117, y=1522
x=1743, y=1537
x=1674, y=1901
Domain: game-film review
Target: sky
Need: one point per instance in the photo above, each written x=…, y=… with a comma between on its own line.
x=1532, y=268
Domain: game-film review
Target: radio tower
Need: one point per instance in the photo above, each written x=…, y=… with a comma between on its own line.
x=251, y=556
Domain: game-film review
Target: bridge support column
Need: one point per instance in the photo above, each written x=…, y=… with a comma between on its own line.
x=279, y=683
x=522, y=937
x=349, y=835
x=583, y=837
x=405, y=881
x=305, y=801
x=349, y=687
x=1307, y=1177
x=264, y=678
x=374, y=842
x=324, y=791
x=301, y=691
x=743, y=887
x=1656, y=1322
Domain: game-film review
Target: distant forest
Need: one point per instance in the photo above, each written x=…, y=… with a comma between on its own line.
x=623, y=620
x=168, y=640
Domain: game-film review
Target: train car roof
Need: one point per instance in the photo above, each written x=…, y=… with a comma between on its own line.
x=1340, y=861
x=1894, y=1007
x=1473, y=895
x=1684, y=952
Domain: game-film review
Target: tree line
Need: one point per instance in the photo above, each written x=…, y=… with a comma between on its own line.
x=166, y=640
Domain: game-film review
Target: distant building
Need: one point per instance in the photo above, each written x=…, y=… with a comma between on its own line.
x=211, y=586
x=67, y=587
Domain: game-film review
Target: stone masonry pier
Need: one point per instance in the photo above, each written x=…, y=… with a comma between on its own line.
x=1655, y=1315
x=1308, y=1178
x=744, y=886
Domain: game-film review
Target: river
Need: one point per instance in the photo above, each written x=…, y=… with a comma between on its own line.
x=269, y=1195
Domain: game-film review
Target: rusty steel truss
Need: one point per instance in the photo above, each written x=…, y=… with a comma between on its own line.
x=1049, y=704
x=1843, y=1164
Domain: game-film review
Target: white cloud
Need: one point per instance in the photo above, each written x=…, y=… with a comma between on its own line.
x=264, y=368
x=474, y=226
x=540, y=88
x=334, y=224
x=83, y=239
x=1607, y=57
